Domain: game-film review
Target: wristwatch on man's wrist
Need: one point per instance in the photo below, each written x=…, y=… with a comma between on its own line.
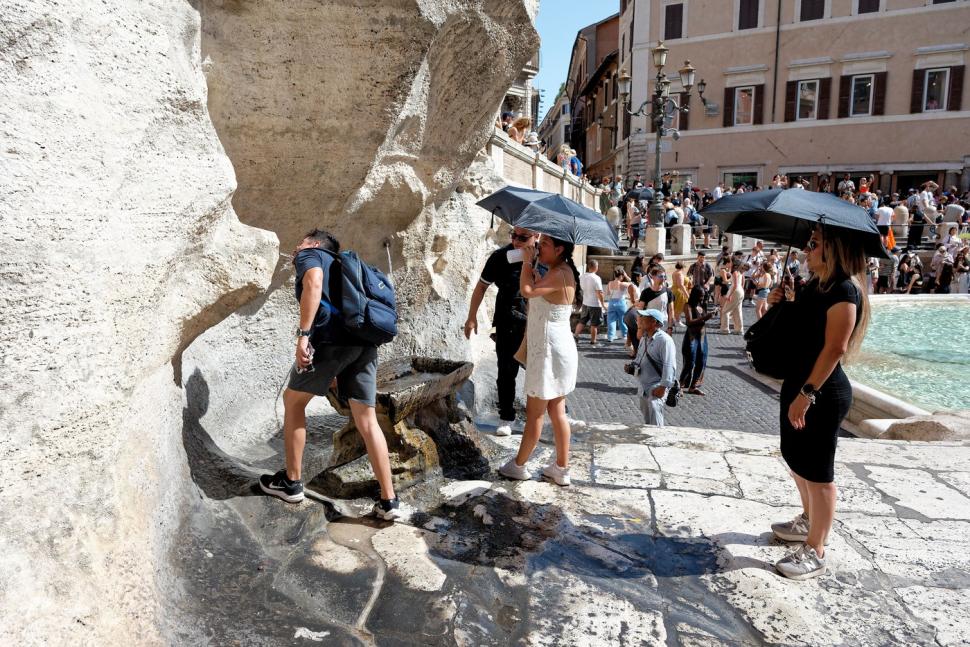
x=302, y=333
x=810, y=393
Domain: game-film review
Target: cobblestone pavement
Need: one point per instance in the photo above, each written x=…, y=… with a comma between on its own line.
x=734, y=400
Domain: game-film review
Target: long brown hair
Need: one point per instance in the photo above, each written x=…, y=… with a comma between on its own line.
x=844, y=257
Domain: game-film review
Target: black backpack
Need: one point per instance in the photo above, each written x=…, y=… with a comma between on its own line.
x=365, y=305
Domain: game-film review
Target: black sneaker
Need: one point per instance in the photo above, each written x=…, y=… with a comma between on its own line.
x=281, y=487
x=388, y=509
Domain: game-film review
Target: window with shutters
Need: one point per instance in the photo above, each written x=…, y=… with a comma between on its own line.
x=748, y=14
x=868, y=6
x=860, y=102
x=934, y=89
x=744, y=106
x=812, y=10
x=807, y=100
x=674, y=21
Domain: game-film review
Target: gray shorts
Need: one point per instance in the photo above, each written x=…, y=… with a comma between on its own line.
x=591, y=315
x=355, y=368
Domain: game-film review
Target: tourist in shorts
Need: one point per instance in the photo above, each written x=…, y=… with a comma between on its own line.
x=326, y=354
x=591, y=314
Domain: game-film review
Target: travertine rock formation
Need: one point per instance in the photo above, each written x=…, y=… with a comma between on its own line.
x=120, y=248
x=362, y=118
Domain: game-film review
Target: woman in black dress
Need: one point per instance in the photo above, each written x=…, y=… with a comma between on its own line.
x=833, y=313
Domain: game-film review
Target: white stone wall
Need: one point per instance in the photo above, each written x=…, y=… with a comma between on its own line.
x=119, y=246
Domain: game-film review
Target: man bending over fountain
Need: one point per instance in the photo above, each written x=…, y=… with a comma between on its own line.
x=326, y=353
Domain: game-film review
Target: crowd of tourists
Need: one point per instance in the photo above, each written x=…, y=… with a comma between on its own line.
x=539, y=287
x=518, y=128
x=927, y=217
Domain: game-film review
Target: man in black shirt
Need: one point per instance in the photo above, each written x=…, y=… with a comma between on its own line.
x=509, y=319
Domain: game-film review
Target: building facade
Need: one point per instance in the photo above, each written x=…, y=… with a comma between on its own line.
x=591, y=91
x=556, y=125
x=823, y=88
x=522, y=97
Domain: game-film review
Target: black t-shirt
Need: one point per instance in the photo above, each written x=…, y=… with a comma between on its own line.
x=813, y=304
x=510, y=308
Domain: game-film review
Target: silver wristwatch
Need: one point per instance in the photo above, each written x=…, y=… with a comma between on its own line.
x=303, y=333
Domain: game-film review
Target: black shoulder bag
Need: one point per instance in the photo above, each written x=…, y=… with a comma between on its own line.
x=673, y=393
x=769, y=340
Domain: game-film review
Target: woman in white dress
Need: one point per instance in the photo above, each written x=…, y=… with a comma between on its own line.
x=550, y=372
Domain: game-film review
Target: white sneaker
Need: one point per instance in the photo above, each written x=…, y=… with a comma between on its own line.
x=512, y=470
x=504, y=429
x=556, y=474
x=794, y=530
x=802, y=564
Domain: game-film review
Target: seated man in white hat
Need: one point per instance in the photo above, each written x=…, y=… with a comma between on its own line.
x=656, y=363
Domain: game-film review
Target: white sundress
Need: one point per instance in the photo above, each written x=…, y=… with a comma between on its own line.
x=552, y=359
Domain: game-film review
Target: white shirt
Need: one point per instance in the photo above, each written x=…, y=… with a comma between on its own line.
x=755, y=259
x=591, y=285
x=884, y=215
x=717, y=193
x=953, y=213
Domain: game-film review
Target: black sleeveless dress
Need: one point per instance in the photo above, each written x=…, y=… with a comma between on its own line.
x=810, y=452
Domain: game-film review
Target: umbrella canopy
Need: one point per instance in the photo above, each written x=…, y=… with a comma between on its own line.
x=788, y=217
x=643, y=193
x=551, y=214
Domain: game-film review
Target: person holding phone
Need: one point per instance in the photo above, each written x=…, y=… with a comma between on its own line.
x=502, y=269
x=833, y=312
x=550, y=373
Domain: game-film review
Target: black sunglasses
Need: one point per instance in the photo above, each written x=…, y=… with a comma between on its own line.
x=522, y=238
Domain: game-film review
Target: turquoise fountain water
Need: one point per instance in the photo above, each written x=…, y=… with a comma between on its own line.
x=918, y=350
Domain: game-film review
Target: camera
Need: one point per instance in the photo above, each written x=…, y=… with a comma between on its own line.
x=630, y=368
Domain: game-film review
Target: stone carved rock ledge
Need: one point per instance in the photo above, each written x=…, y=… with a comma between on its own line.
x=142, y=317
x=428, y=434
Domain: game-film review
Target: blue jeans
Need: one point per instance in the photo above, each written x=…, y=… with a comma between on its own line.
x=695, y=361
x=614, y=317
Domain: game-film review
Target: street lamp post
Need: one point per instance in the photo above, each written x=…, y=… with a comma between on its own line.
x=661, y=109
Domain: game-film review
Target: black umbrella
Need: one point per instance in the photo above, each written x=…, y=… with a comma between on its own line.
x=552, y=214
x=643, y=193
x=788, y=217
